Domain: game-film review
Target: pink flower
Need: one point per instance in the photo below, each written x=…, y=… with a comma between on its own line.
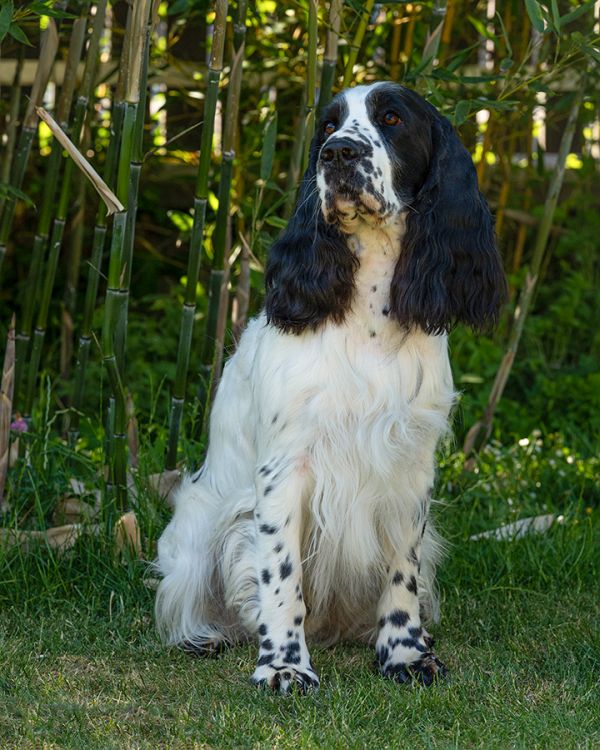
x=19, y=425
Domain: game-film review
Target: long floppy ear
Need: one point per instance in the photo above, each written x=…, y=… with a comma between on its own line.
x=449, y=270
x=310, y=270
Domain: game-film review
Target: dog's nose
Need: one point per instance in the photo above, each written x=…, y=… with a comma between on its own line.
x=341, y=150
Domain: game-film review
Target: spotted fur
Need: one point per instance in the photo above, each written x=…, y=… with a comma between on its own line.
x=310, y=516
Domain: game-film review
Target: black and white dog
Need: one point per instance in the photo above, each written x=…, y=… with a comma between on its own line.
x=309, y=517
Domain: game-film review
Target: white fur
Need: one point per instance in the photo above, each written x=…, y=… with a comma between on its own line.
x=349, y=422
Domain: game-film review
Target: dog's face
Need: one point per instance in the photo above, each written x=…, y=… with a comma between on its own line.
x=374, y=147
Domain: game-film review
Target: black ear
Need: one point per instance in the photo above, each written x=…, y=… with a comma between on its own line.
x=449, y=270
x=310, y=270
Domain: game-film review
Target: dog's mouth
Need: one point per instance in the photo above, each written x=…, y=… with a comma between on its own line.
x=346, y=206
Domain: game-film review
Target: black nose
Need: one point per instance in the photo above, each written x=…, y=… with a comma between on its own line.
x=341, y=150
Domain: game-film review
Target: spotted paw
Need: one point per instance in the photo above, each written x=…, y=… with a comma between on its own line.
x=424, y=671
x=207, y=649
x=283, y=679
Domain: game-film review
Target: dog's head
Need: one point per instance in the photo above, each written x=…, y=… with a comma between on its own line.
x=378, y=152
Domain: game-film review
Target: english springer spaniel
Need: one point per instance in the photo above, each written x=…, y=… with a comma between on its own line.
x=310, y=516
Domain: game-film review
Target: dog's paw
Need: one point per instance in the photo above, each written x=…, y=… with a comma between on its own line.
x=283, y=679
x=206, y=649
x=425, y=671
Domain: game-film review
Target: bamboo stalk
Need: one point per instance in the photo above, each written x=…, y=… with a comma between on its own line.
x=481, y=430
x=311, y=79
x=331, y=55
x=117, y=272
x=48, y=50
x=12, y=118
x=396, y=37
x=6, y=404
x=40, y=239
x=357, y=42
x=215, y=68
x=58, y=225
x=212, y=343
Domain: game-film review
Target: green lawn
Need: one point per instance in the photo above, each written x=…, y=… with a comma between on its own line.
x=81, y=666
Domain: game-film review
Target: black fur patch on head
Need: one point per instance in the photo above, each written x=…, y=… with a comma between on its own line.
x=449, y=270
x=310, y=270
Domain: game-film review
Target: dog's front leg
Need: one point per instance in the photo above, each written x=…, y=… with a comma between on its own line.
x=403, y=646
x=283, y=659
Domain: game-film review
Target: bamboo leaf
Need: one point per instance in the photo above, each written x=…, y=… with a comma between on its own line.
x=17, y=33
x=462, y=111
x=7, y=190
x=6, y=12
x=574, y=14
x=269, y=143
x=113, y=204
x=535, y=15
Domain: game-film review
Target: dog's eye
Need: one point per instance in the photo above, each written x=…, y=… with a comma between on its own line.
x=391, y=118
x=329, y=128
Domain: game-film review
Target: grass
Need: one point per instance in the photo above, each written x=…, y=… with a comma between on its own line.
x=82, y=666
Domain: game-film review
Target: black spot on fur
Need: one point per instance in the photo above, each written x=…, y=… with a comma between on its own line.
x=381, y=622
x=278, y=547
x=268, y=488
x=412, y=556
x=412, y=585
x=265, y=576
x=399, y=618
x=382, y=654
x=372, y=334
x=398, y=578
x=262, y=629
x=267, y=644
x=385, y=311
x=374, y=288
x=265, y=659
x=415, y=632
x=276, y=590
x=266, y=529
x=264, y=470
x=290, y=633
x=413, y=643
x=285, y=569
x=298, y=620
x=275, y=418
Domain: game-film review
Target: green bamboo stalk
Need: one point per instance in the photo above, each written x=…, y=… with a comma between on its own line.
x=58, y=227
x=40, y=240
x=357, y=41
x=117, y=274
x=330, y=56
x=311, y=79
x=12, y=119
x=137, y=157
x=94, y=266
x=481, y=430
x=195, y=251
x=212, y=343
x=48, y=49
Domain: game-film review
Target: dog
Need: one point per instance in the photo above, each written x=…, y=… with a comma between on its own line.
x=310, y=516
